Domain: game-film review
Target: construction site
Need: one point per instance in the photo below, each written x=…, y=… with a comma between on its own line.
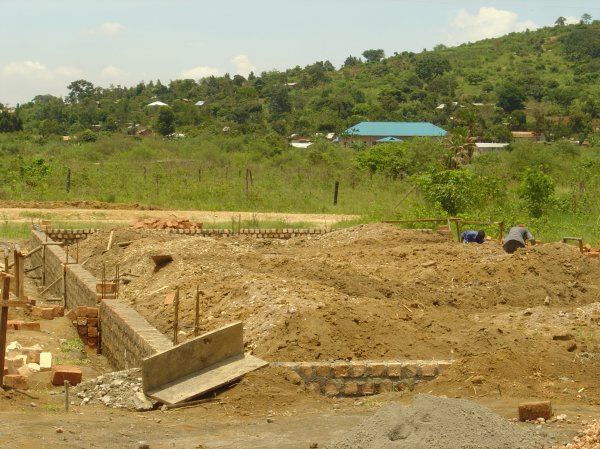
x=161, y=333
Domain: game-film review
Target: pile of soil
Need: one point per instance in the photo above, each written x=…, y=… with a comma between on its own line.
x=440, y=423
x=522, y=324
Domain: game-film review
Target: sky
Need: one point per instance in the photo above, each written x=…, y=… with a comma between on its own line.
x=47, y=44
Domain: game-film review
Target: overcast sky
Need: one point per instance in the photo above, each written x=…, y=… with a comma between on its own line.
x=46, y=44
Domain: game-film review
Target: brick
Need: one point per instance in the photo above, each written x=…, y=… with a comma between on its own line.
x=82, y=331
x=313, y=387
x=306, y=370
x=530, y=411
x=323, y=370
x=24, y=371
x=70, y=314
x=16, y=381
x=29, y=326
x=394, y=369
x=331, y=389
x=45, y=313
x=45, y=361
x=58, y=311
x=92, y=341
x=377, y=370
x=14, y=363
x=81, y=311
x=386, y=386
x=33, y=354
x=367, y=388
x=350, y=388
x=82, y=321
x=92, y=322
x=12, y=324
x=341, y=369
x=429, y=370
x=92, y=331
x=5, y=370
x=359, y=369
x=60, y=373
x=410, y=371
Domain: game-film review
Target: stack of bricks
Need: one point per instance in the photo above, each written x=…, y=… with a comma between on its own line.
x=22, y=362
x=86, y=321
x=47, y=312
x=363, y=378
x=20, y=325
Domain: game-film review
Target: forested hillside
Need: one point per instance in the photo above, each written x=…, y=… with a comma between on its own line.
x=545, y=81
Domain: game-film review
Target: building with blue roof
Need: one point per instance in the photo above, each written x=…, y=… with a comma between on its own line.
x=380, y=132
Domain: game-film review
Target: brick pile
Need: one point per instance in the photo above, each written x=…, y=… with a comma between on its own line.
x=47, y=312
x=21, y=362
x=86, y=321
x=590, y=251
x=157, y=223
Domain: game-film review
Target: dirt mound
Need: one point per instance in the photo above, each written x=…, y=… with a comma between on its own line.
x=378, y=292
x=439, y=423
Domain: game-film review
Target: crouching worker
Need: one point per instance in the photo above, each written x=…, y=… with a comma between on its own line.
x=516, y=238
x=473, y=236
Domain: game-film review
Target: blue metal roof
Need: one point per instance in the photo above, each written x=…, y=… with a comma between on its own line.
x=396, y=129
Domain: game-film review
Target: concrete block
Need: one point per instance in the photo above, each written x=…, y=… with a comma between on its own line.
x=16, y=381
x=29, y=326
x=60, y=373
x=45, y=361
x=530, y=411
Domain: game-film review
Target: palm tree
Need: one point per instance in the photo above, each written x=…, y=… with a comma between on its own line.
x=461, y=147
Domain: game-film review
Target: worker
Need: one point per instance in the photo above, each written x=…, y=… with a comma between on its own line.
x=516, y=238
x=473, y=236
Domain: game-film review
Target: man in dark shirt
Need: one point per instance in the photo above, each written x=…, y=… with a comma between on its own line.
x=516, y=238
x=473, y=236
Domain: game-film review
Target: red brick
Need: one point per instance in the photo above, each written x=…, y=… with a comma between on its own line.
x=92, y=341
x=14, y=363
x=92, y=331
x=394, y=369
x=331, y=389
x=33, y=354
x=82, y=331
x=70, y=314
x=530, y=411
x=323, y=370
x=82, y=321
x=60, y=373
x=306, y=370
x=29, y=326
x=92, y=312
x=12, y=324
x=58, y=311
x=358, y=369
x=429, y=370
x=350, y=388
x=92, y=322
x=410, y=371
x=16, y=381
x=367, y=388
x=45, y=313
x=81, y=311
x=377, y=370
x=31, y=301
x=5, y=370
x=341, y=369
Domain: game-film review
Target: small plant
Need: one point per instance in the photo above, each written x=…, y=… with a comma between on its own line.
x=73, y=344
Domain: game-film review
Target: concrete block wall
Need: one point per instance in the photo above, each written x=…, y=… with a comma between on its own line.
x=364, y=377
x=70, y=236
x=126, y=336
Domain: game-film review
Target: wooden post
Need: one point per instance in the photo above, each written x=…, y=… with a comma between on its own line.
x=44, y=266
x=110, y=240
x=197, y=316
x=4, y=323
x=19, y=274
x=176, y=319
x=65, y=286
x=117, y=282
x=335, y=192
x=68, y=180
x=67, y=384
x=6, y=260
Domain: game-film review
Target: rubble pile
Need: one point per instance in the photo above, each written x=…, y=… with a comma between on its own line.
x=158, y=223
x=588, y=439
x=120, y=389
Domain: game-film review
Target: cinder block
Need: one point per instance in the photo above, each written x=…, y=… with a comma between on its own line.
x=530, y=411
x=29, y=326
x=45, y=313
x=16, y=381
x=45, y=361
x=359, y=369
x=350, y=388
x=60, y=373
x=394, y=369
x=341, y=369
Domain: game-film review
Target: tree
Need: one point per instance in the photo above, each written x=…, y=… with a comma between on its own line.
x=536, y=189
x=510, y=96
x=586, y=19
x=461, y=147
x=279, y=101
x=430, y=65
x=165, y=121
x=79, y=90
x=560, y=22
x=351, y=61
x=373, y=55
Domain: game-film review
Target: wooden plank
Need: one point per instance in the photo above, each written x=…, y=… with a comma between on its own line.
x=14, y=303
x=206, y=380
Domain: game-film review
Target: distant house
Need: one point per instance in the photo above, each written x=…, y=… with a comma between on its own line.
x=371, y=132
x=157, y=103
x=524, y=135
x=488, y=147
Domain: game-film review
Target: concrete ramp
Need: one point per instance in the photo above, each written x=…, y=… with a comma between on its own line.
x=198, y=366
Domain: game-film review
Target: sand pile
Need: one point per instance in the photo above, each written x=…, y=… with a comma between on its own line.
x=440, y=423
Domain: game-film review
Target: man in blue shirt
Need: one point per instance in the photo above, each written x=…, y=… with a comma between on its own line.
x=473, y=236
x=516, y=238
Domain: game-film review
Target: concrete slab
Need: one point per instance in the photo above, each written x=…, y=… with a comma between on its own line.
x=197, y=366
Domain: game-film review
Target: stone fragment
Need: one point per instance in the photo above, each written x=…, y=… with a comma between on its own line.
x=530, y=411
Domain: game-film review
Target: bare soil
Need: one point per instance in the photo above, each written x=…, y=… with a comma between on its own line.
x=519, y=327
